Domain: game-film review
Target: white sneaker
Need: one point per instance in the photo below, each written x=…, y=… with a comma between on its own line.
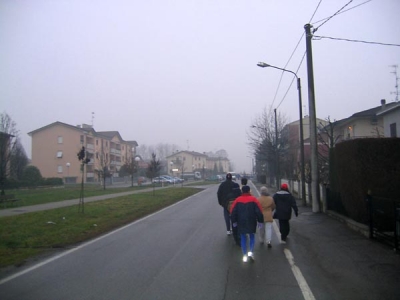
x=229, y=232
x=251, y=256
x=244, y=258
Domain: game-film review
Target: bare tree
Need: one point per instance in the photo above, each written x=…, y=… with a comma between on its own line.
x=131, y=167
x=327, y=139
x=103, y=171
x=8, y=145
x=267, y=142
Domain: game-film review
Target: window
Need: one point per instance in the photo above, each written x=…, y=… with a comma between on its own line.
x=59, y=154
x=82, y=139
x=59, y=169
x=393, y=130
x=97, y=142
x=60, y=139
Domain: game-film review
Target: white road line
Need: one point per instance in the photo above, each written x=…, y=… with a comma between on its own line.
x=305, y=289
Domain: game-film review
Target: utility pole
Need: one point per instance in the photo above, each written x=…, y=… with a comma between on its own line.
x=313, y=123
x=303, y=177
x=277, y=154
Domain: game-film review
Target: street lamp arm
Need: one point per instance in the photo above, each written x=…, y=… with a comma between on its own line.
x=264, y=65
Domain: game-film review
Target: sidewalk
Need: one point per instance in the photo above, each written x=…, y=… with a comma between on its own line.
x=52, y=205
x=18, y=210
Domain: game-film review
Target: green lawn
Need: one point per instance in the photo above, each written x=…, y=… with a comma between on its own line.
x=28, y=235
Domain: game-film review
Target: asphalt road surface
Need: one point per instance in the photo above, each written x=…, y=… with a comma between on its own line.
x=183, y=252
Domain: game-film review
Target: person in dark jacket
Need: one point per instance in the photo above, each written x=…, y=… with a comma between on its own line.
x=284, y=202
x=226, y=193
x=246, y=211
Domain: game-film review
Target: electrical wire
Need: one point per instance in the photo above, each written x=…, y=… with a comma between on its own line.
x=355, y=41
x=291, y=83
x=365, y=2
x=336, y=13
x=280, y=79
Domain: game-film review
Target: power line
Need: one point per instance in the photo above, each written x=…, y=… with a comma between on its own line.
x=291, y=83
x=346, y=10
x=298, y=43
x=336, y=13
x=355, y=41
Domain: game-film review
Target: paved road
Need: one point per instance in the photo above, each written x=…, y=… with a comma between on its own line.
x=182, y=252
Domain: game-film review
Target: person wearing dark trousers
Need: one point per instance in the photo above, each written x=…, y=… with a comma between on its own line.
x=246, y=213
x=284, y=202
x=224, y=195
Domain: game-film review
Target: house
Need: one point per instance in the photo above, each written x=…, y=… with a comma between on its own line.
x=292, y=151
x=182, y=162
x=369, y=123
x=391, y=120
x=55, y=147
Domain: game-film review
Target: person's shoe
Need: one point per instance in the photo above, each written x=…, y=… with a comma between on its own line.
x=283, y=242
x=251, y=256
x=244, y=258
x=269, y=244
x=229, y=232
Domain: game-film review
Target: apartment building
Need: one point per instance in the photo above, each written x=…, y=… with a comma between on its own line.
x=191, y=161
x=55, y=148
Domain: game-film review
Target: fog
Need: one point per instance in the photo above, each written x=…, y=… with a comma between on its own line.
x=185, y=72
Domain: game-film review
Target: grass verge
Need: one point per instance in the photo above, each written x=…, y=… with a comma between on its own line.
x=32, y=234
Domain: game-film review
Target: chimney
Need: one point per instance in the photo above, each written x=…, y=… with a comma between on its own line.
x=383, y=103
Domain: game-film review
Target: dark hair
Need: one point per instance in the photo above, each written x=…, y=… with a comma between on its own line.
x=244, y=181
x=229, y=176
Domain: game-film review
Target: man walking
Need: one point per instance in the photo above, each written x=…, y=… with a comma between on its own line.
x=284, y=202
x=225, y=194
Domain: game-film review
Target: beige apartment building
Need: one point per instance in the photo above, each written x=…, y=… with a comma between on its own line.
x=191, y=161
x=55, y=148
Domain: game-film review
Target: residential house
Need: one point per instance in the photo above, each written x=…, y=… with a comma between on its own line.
x=292, y=151
x=391, y=120
x=369, y=123
x=55, y=148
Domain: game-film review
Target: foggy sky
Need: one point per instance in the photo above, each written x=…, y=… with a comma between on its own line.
x=184, y=72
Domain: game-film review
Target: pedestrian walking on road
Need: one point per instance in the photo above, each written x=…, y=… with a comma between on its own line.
x=245, y=214
x=284, y=202
x=268, y=206
x=225, y=193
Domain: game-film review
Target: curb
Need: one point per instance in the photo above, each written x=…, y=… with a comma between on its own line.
x=358, y=227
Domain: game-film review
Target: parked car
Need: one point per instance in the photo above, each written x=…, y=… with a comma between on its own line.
x=213, y=178
x=168, y=178
x=159, y=180
x=179, y=180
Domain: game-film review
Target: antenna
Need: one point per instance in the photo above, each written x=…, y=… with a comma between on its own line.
x=188, y=146
x=92, y=118
x=397, y=82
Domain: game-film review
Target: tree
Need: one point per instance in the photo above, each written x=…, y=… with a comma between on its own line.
x=8, y=144
x=18, y=162
x=154, y=168
x=32, y=176
x=103, y=172
x=328, y=140
x=130, y=167
x=268, y=149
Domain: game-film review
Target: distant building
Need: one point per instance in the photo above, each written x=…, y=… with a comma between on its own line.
x=55, y=148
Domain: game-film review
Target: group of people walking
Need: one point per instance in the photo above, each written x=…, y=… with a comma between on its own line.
x=244, y=213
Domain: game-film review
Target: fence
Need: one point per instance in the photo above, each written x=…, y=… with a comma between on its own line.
x=384, y=220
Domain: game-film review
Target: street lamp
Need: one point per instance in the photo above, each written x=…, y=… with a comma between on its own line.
x=303, y=177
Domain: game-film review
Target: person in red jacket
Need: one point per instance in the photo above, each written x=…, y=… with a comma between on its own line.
x=246, y=211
